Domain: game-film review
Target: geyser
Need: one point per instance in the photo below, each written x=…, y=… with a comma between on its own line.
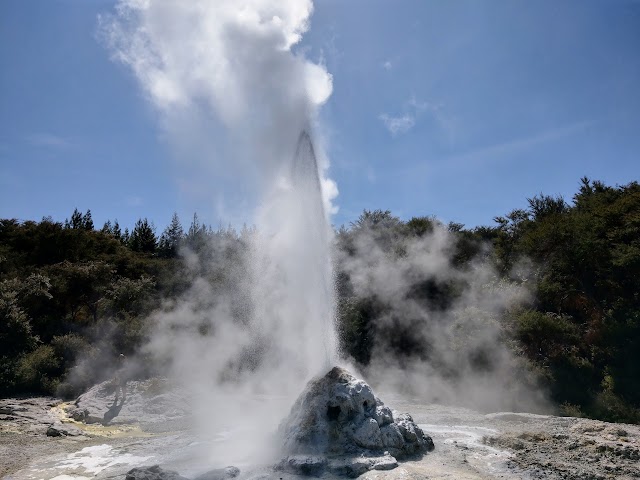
x=292, y=254
x=226, y=71
x=306, y=182
x=230, y=89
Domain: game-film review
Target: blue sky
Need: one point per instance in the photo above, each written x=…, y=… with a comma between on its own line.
x=459, y=109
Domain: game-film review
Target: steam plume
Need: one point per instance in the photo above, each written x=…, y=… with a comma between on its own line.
x=229, y=66
x=439, y=333
x=225, y=66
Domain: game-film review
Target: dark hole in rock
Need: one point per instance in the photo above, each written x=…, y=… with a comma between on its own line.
x=365, y=404
x=333, y=412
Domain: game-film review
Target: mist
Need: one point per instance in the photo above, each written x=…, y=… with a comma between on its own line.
x=237, y=103
x=230, y=93
x=438, y=327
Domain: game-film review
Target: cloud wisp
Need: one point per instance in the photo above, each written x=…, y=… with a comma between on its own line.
x=413, y=109
x=521, y=144
x=398, y=125
x=499, y=151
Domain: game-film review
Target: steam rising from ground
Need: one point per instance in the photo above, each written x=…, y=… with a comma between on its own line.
x=267, y=327
x=439, y=331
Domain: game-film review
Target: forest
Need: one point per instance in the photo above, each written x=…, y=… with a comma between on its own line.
x=74, y=295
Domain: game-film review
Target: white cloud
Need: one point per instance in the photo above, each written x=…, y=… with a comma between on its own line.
x=413, y=109
x=421, y=106
x=398, y=125
x=387, y=65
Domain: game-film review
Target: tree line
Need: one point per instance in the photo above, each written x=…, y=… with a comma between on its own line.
x=65, y=287
x=143, y=238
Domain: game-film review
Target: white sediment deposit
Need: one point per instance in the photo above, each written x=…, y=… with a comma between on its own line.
x=338, y=425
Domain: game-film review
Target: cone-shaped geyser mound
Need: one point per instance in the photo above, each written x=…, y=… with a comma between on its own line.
x=338, y=425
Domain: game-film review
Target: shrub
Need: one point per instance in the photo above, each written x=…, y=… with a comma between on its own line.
x=7, y=375
x=612, y=408
x=69, y=348
x=39, y=370
x=571, y=410
x=545, y=334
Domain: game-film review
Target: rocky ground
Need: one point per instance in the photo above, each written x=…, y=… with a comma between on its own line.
x=39, y=439
x=570, y=448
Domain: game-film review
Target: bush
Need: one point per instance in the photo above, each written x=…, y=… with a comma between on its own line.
x=69, y=348
x=611, y=408
x=571, y=410
x=39, y=370
x=7, y=375
x=545, y=334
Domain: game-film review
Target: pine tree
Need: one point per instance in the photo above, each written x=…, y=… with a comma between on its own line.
x=116, y=232
x=87, y=221
x=171, y=238
x=76, y=220
x=194, y=228
x=143, y=238
x=107, y=228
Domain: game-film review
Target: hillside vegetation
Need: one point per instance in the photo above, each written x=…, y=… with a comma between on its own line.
x=73, y=296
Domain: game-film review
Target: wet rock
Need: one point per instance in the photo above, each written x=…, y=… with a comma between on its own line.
x=58, y=430
x=392, y=436
x=80, y=415
x=220, y=474
x=153, y=473
x=309, y=465
x=368, y=435
x=383, y=415
x=339, y=425
x=351, y=467
x=386, y=462
x=53, y=432
x=147, y=402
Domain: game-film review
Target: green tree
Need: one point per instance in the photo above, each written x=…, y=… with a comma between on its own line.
x=171, y=238
x=115, y=230
x=87, y=221
x=78, y=289
x=107, y=228
x=76, y=221
x=143, y=238
x=197, y=235
x=16, y=330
